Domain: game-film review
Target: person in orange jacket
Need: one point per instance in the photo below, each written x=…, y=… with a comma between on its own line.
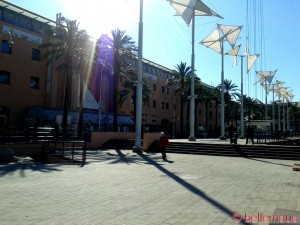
x=163, y=144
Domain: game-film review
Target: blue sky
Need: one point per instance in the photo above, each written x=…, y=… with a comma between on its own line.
x=272, y=27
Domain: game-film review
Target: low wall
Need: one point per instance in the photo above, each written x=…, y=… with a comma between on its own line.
x=149, y=138
x=33, y=149
x=99, y=138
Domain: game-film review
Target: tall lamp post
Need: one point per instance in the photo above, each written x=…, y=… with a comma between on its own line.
x=188, y=10
x=250, y=61
x=215, y=42
x=139, y=87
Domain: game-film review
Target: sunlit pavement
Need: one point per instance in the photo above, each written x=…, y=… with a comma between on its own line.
x=121, y=187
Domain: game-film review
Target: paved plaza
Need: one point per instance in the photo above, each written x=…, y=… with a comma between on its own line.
x=121, y=187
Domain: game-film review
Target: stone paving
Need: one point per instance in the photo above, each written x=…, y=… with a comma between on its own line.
x=121, y=187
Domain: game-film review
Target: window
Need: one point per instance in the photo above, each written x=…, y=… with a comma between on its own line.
x=167, y=106
x=36, y=54
x=6, y=47
x=162, y=105
x=154, y=87
x=4, y=77
x=154, y=104
x=162, y=89
x=34, y=82
x=4, y=116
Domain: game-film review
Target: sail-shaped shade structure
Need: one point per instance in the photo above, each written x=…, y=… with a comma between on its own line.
x=222, y=32
x=189, y=8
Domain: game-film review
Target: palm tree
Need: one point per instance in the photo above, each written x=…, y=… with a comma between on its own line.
x=130, y=91
x=123, y=47
x=179, y=80
x=249, y=106
x=216, y=95
x=65, y=47
x=230, y=93
x=294, y=112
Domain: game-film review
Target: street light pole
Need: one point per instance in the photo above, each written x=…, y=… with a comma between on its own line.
x=192, y=100
x=222, y=137
x=139, y=88
x=242, y=100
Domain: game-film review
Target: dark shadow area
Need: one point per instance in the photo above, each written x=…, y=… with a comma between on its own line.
x=9, y=169
x=264, y=161
x=192, y=188
x=118, y=156
x=169, y=161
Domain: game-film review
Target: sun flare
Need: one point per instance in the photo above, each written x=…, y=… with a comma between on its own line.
x=101, y=16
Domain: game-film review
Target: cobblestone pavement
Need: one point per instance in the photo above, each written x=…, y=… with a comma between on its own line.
x=121, y=187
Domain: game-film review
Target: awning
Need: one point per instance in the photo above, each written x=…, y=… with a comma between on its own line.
x=122, y=120
x=49, y=115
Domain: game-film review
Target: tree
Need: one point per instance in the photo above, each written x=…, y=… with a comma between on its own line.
x=179, y=80
x=65, y=47
x=123, y=47
x=294, y=112
x=249, y=106
x=130, y=91
x=216, y=95
x=230, y=93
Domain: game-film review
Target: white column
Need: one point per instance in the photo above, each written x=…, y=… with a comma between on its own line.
x=139, y=87
x=222, y=137
x=242, y=101
x=192, y=99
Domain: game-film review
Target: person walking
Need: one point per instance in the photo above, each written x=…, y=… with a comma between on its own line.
x=163, y=144
x=231, y=130
x=249, y=134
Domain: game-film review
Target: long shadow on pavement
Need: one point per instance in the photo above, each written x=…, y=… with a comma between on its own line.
x=264, y=161
x=9, y=169
x=114, y=156
x=192, y=188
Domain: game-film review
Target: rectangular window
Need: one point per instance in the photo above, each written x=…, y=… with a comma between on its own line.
x=154, y=104
x=4, y=77
x=36, y=54
x=167, y=106
x=34, y=82
x=162, y=89
x=162, y=105
x=154, y=87
x=6, y=47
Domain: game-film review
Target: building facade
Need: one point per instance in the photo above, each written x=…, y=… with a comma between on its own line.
x=33, y=91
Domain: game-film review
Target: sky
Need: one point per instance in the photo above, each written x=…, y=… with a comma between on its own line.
x=271, y=27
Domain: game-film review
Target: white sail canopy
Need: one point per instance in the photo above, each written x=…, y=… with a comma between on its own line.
x=250, y=61
x=214, y=39
x=234, y=51
x=266, y=75
x=188, y=8
x=230, y=32
x=211, y=41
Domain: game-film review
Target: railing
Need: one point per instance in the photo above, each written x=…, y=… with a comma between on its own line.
x=50, y=139
x=278, y=136
x=73, y=149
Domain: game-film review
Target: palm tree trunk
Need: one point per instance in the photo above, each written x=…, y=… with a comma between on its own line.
x=67, y=101
x=116, y=92
x=80, y=119
x=216, y=126
x=206, y=112
x=181, y=114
